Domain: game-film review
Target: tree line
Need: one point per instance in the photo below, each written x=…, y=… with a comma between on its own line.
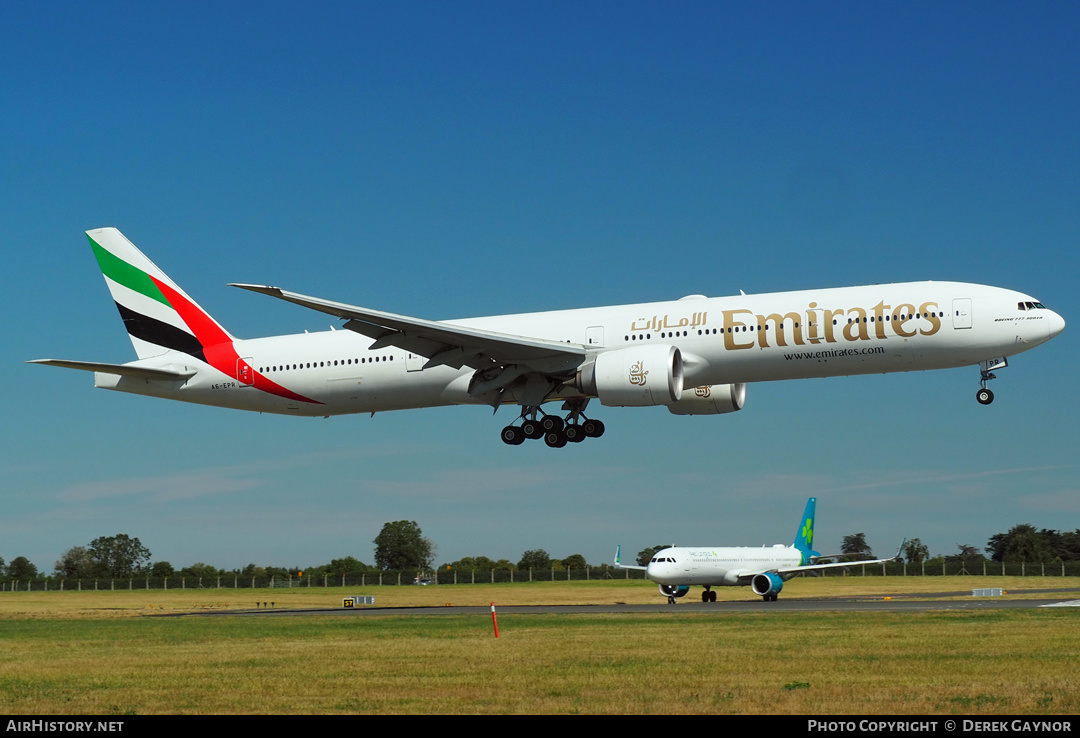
x=1021, y=544
x=402, y=546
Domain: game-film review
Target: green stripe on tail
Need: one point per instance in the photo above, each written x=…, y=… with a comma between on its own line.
x=123, y=273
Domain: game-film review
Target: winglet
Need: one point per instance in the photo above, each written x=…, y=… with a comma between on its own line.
x=263, y=288
x=620, y=565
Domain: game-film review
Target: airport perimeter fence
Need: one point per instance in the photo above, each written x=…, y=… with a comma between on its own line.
x=359, y=579
x=975, y=568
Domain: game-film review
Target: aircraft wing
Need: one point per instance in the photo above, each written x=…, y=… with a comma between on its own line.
x=620, y=565
x=443, y=343
x=812, y=567
x=124, y=370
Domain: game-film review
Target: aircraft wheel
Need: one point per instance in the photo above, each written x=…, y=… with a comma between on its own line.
x=551, y=423
x=532, y=429
x=671, y=600
x=574, y=433
x=712, y=596
x=593, y=428
x=984, y=396
x=555, y=439
x=705, y=596
x=513, y=436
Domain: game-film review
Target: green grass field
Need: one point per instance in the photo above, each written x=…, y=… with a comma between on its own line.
x=104, y=653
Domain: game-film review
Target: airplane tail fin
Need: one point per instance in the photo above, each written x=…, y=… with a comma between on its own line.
x=158, y=315
x=804, y=536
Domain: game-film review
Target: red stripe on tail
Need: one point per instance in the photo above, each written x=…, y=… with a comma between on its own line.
x=218, y=346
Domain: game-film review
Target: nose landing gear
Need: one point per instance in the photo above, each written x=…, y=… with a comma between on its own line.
x=984, y=395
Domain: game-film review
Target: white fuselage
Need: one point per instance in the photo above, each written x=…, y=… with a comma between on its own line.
x=718, y=567
x=724, y=340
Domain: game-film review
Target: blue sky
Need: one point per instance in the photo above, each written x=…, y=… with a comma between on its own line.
x=451, y=160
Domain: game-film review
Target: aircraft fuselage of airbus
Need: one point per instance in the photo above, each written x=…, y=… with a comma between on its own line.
x=764, y=570
x=719, y=567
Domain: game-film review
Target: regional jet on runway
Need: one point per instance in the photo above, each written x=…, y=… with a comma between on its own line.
x=694, y=355
x=765, y=569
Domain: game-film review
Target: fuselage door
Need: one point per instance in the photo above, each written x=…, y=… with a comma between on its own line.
x=961, y=312
x=594, y=336
x=814, y=330
x=244, y=373
x=414, y=362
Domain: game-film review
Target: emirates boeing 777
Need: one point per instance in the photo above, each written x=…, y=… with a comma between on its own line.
x=694, y=355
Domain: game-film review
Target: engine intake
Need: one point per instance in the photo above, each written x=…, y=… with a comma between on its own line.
x=673, y=590
x=767, y=584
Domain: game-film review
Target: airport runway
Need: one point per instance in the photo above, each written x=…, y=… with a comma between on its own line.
x=896, y=603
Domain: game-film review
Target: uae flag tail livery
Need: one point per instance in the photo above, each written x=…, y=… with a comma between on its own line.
x=158, y=314
x=173, y=336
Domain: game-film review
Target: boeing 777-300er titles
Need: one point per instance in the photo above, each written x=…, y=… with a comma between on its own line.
x=694, y=355
x=765, y=569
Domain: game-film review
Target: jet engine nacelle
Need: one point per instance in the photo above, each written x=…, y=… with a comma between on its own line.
x=673, y=590
x=634, y=377
x=767, y=584
x=710, y=399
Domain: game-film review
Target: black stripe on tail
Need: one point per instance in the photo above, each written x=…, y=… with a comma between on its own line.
x=160, y=333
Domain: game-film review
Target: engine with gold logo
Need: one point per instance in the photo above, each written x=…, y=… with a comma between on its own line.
x=710, y=399
x=634, y=377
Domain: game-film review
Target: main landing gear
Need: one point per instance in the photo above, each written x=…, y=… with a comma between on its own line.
x=708, y=595
x=555, y=431
x=985, y=396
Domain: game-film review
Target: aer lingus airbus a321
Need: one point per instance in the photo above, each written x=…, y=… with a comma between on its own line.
x=694, y=355
x=763, y=569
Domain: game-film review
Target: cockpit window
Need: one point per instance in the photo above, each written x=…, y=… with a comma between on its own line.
x=1027, y=305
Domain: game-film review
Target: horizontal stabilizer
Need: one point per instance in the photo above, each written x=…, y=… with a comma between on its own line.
x=125, y=370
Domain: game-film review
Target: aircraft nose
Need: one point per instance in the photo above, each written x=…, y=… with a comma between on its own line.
x=1057, y=324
